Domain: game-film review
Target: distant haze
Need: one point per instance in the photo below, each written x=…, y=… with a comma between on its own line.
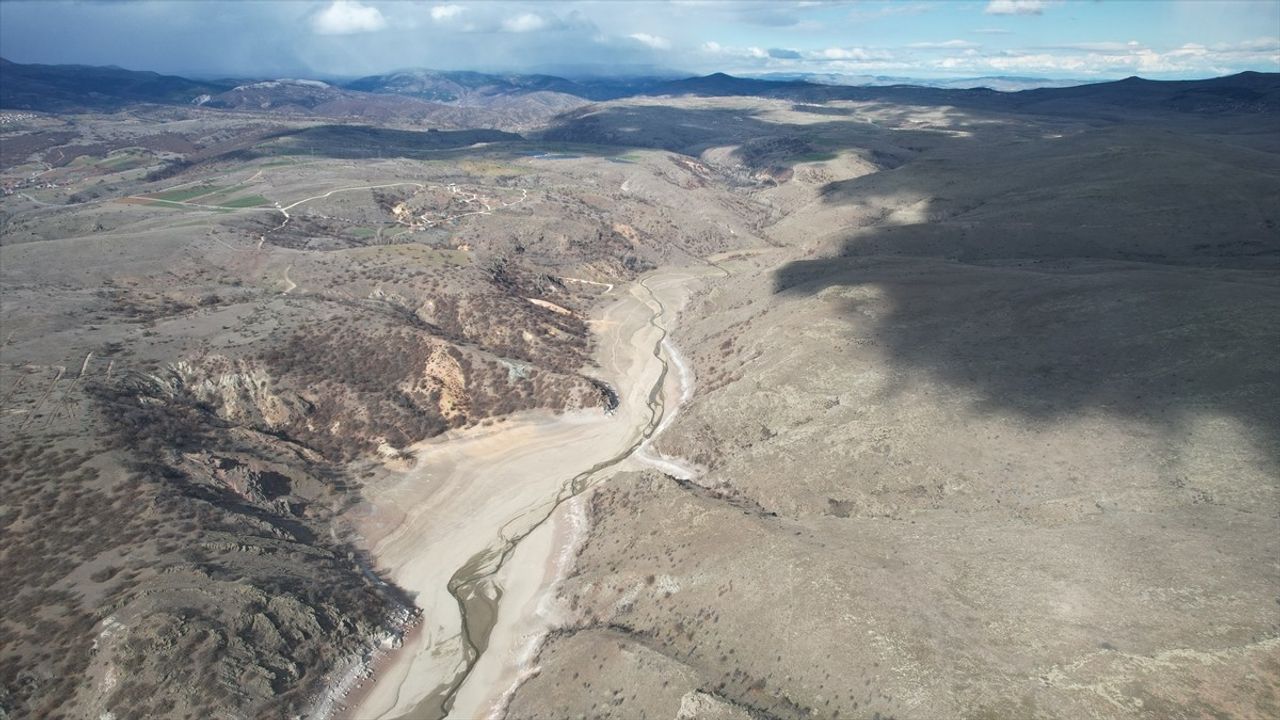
x=349, y=38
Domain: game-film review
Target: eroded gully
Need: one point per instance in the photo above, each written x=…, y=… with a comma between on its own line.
x=472, y=588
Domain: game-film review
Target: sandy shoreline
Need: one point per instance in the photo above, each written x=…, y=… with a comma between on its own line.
x=471, y=488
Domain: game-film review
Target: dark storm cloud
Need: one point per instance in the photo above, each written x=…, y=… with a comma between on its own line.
x=343, y=38
x=236, y=38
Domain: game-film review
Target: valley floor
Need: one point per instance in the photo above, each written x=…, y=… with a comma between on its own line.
x=447, y=529
x=683, y=407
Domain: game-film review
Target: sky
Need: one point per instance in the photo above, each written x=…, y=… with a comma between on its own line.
x=1077, y=39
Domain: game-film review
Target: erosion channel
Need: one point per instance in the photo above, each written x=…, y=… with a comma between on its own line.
x=447, y=530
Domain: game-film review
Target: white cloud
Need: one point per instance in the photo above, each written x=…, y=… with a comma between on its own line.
x=854, y=53
x=345, y=17
x=524, y=22
x=947, y=44
x=444, y=13
x=889, y=10
x=1100, y=58
x=834, y=59
x=1015, y=7
x=1271, y=44
x=653, y=41
x=572, y=36
x=1097, y=46
x=1110, y=58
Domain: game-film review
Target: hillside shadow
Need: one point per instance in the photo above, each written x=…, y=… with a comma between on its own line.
x=1052, y=340
x=367, y=142
x=1118, y=274
x=764, y=137
x=1048, y=268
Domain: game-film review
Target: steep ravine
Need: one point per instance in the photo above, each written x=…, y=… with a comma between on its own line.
x=632, y=328
x=472, y=585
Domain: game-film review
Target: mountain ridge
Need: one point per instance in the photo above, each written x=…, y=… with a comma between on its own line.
x=67, y=87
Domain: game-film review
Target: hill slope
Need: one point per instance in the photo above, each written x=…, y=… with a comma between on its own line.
x=69, y=87
x=59, y=88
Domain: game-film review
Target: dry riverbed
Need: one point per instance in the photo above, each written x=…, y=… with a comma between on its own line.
x=487, y=515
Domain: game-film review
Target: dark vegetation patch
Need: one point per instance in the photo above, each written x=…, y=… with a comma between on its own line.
x=779, y=152
x=402, y=385
x=16, y=149
x=64, y=88
x=186, y=545
x=166, y=142
x=361, y=141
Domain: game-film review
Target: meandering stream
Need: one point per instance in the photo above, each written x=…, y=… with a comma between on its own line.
x=484, y=492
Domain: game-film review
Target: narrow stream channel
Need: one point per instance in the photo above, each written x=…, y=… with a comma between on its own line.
x=472, y=585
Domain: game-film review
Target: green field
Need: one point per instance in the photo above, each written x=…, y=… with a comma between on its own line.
x=124, y=163
x=247, y=201
x=124, y=160
x=177, y=205
x=187, y=194
x=627, y=158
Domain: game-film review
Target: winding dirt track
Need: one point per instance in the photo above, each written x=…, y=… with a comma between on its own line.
x=446, y=529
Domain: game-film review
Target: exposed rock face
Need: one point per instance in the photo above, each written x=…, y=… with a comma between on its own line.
x=238, y=390
x=443, y=378
x=698, y=705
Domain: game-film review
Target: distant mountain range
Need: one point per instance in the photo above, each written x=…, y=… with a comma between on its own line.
x=465, y=87
x=65, y=87
x=1003, y=83
x=454, y=97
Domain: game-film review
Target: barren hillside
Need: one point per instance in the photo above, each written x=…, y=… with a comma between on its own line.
x=713, y=398
x=990, y=435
